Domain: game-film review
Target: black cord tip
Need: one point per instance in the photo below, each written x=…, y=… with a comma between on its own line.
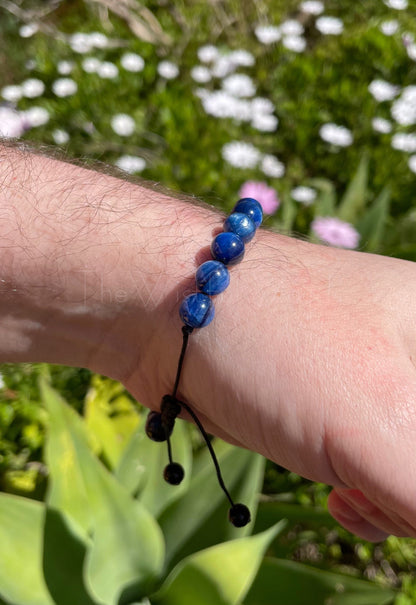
x=155, y=428
x=239, y=515
x=173, y=473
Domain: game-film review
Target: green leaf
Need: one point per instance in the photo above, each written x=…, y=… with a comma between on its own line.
x=281, y=582
x=354, y=199
x=221, y=574
x=204, y=497
x=21, y=538
x=63, y=561
x=325, y=203
x=131, y=470
x=110, y=416
x=271, y=512
x=288, y=214
x=126, y=553
x=373, y=223
x=67, y=490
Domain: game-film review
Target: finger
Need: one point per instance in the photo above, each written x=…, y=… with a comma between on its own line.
x=373, y=527
x=384, y=517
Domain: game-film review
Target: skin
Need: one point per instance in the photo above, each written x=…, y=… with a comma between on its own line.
x=310, y=359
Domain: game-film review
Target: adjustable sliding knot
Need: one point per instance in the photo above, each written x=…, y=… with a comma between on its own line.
x=170, y=408
x=159, y=425
x=197, y=311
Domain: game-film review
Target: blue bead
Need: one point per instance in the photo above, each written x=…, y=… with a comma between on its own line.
x=241, y=224
x=251, y=207
x=212, y=277
x=228, y=248
x=197, y=310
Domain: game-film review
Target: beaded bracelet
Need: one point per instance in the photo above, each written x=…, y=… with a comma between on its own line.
x=197, y=311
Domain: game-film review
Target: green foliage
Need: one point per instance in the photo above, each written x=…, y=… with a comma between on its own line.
x=98, y=540
x=295, y=580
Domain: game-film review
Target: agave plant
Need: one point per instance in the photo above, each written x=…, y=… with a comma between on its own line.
x=117, y=534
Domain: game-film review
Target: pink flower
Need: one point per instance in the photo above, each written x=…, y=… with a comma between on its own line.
x=264, y=194
x=335, y=232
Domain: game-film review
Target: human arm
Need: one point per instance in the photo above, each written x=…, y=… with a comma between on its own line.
x=309, y=360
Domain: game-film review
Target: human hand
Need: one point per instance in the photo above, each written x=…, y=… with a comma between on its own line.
x=310, y=361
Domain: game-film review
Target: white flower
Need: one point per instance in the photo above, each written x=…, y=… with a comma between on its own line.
x=329, y=25
x=123, y=124
x=404, y=142
x=240, y=154
x=396, y=4
x=268, y=34
x=272, y=167
x=81, y=43
x=98, y=39
x=132, y=62
x=65, y=67
x=408, y=38
x=239, y=85
x=295, y=43
x=107, y=70
x=264, y=122
x=411, y=51
x=168, y=70
x=313, y=7
x=91, y=65
x=131, y=163
x=223, y=66
x=201, y=93
x=2, y=384
x=223, y=105
x=242, y=57
x=27, y=30
x=403, y=109
x=60, y=136
x=389, y=28
x=12, y=93
x=382, y=90
x=381, y=125
x=12, y=123
x=36, y=116
x=304, y=195
x=262, y=105
x=412, y=163
x=218, y=104
x=32, y=88
x=30, y=64
x=208, y=53
x=291, y=27
x=64, y=87
x=200, y=74
x=336, y=135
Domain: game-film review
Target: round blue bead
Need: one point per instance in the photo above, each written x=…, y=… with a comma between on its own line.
x=241, y=224
x=212, y=277
x=228, y=248
x=197, y=310
x=251, y=207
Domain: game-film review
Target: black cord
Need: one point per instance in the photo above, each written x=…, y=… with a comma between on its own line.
x=186, y=331
x=211, y=450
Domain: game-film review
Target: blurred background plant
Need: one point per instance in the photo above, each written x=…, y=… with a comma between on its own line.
x=308, y=106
